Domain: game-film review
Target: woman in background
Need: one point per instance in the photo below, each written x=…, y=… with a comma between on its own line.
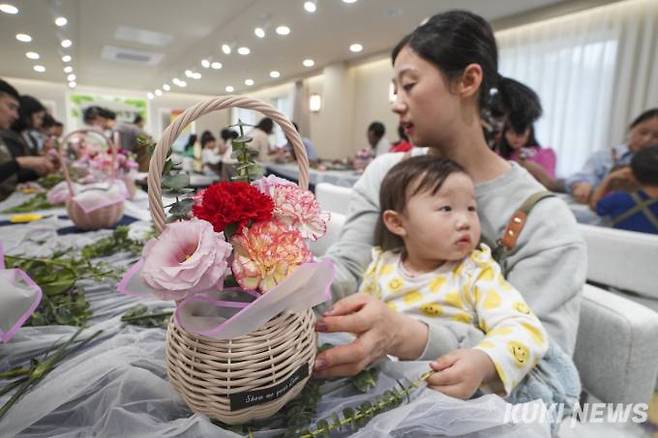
x=519, y=144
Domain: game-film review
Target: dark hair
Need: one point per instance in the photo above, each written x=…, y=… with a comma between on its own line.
x=644, y=165
x=29, y=106
x=6, y=88
x=377, y=128
x=228, y=134
x=92, y=112
x=517, y=102
x=266, y=125
x=207, y=137
x=106, y=113
x=648, y=114
x=190, y=141
x=48, y=121
x=451, y=41
x=138, y=119
x=402, y=135
x=506, y=150
x=428, y=171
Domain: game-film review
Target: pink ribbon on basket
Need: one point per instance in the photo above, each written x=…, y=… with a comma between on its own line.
x=235, y=312
x=19, y=299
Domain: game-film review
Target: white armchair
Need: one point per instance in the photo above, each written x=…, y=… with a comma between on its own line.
x=333, y=198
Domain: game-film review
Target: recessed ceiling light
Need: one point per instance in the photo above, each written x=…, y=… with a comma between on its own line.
x=149, y=96
x=166, y=87
x=349, y=1
x=308, y=63
x=68, y=69
x=158, y=92
x=274, y=74
x=182, y=84
x=259, y=32
x=226, y=49
x=282, y=30
x=72, y=84
x=71, y=77
x=39, y=68
x=23, y=37
x=196, y=76
x=249, y=82
x=32, y=55
x=176, y=81
x=216, y=65
x=66, y=44
x=8, y=9
x=229, y=89
x=310, y=6
x=356, y=48
x=66, y=58
x=189, y=73
x=205, y=63
x=244, y=51
x=61, y=21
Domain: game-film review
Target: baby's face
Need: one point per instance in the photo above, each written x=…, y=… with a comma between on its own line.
x=445, y=225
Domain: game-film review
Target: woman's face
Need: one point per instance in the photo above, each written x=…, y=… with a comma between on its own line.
x=516, y=140
x=210, y=144
x=643, y=134
x=37, y=119
x=424, y=103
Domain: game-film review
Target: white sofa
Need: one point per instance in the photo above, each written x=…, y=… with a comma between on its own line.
x=617, y=343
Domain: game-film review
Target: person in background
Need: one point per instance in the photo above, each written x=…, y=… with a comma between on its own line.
x=139, y=122
x=98, y=118
x=21, y=167
x=642, y=133
x=52, y=130
x=212, y=159
x=379, y=144
x=311, y=152
x=403, y=144
x=260, y=139
x=635, y=211
x=188, y=150
x=226, y=150
x=29, y=123
x=519, y=144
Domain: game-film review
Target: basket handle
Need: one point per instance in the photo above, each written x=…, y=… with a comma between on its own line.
x=194, y=112
x=64, y=144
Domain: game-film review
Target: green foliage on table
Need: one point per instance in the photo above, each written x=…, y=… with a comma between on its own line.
x=51, y=180
x=139, y=315
x=36, y=202
x=118, y=241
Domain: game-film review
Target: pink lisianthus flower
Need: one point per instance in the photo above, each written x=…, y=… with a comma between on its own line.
x=299, y=209
x=187, y=258
x=266, y=254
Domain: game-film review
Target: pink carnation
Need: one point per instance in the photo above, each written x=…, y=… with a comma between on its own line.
x=299, y=209
x=187, y=258
x=266, y=183
x=267, y=253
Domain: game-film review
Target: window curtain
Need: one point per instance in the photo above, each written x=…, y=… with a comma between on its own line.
x=594, y=70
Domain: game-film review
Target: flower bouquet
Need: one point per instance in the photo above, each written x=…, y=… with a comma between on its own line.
x=241, y=342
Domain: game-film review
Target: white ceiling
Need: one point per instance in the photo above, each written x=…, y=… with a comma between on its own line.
x=196, y=29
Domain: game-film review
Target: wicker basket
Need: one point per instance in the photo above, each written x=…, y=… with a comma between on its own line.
x=104, y=217
x=211, y=374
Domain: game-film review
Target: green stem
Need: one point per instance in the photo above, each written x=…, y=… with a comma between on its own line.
x=16, y=372
x=146, y=316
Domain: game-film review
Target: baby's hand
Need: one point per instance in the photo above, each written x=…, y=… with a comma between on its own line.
x=461, y=372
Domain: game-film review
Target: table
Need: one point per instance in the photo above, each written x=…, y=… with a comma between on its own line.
x=344, y=178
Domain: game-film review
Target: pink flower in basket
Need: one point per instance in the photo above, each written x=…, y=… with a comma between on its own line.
x=266, y=254
x=299, y=209
x=188, y=257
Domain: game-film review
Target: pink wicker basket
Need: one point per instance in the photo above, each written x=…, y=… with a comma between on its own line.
x=104, y=217
x=210, y=373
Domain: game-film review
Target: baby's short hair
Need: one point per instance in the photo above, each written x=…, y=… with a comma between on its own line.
x=644, y=165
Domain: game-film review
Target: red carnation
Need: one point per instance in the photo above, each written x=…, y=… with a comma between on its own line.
x=233, y=202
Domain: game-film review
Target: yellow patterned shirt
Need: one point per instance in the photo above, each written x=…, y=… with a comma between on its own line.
x=472, y=291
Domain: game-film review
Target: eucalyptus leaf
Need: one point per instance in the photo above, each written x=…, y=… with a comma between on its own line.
x=182, y=207
x=176, y=182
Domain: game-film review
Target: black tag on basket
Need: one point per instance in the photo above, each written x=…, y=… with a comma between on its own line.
x=245, y=399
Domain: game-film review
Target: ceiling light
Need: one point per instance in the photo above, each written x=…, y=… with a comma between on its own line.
x=23, y=37
x=310, y=6
x=249, y=82
x=166, y=87
x=32, y=55
x=226, y=49
x=71, y=77
x=158, y=92
x=68, y=69
x=66, y=44
x=274, y=74
x=229, y=89
x=175, y=81
x=189, y=73
x=61, y=21
x=66, y=58
x=244, y=51
x=349, y=1
x=259, y=32
x=8, y=9
x=72, y=84
x=356, y=48
x=39, y=68
x=308, y=63
x=205, y=63
x=149, y=96
x=182, y=84
x=216, y=65
x=282, y=30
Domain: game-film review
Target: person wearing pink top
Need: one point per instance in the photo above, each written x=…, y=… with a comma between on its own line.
x=519, y=144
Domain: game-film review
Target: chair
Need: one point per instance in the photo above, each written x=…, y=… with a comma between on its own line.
x=319, y=247
x=333, y=198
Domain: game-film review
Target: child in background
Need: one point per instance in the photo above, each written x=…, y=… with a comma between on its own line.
x=428, y=263
x=635, y=211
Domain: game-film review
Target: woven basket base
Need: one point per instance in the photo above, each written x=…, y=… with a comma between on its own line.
x=205, y=371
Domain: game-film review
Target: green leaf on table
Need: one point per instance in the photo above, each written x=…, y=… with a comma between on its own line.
x=176, y=182
x=365, y=380
x=37, y=202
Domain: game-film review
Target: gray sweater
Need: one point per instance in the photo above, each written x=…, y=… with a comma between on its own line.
x=548, y=265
